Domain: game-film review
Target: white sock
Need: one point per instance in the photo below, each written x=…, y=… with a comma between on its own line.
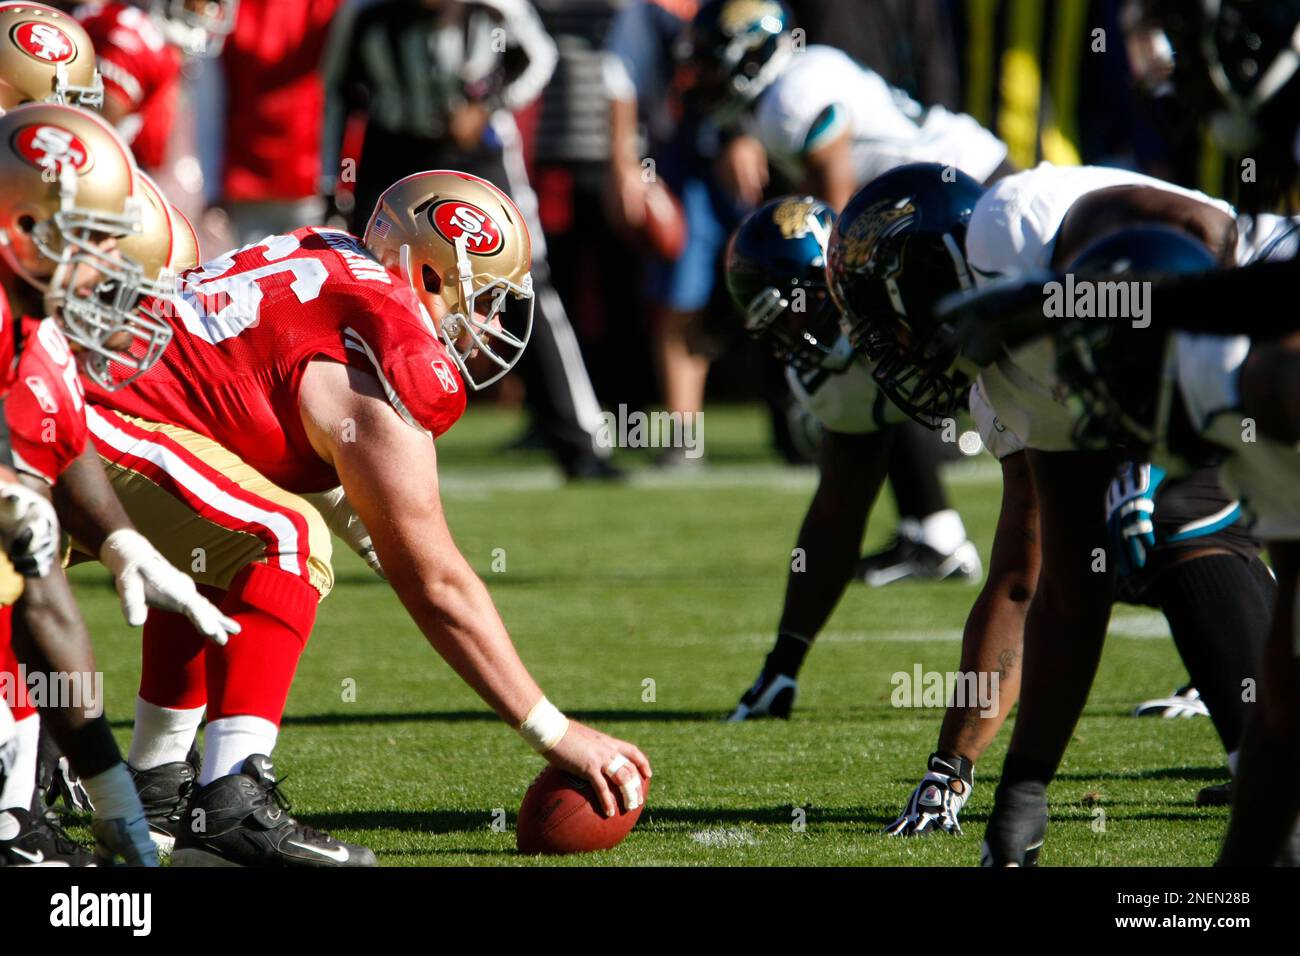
x=943, y=531
x=9, y=825
x=162, y=734
x=113, y=794
x=20, y=776
x=228, y=742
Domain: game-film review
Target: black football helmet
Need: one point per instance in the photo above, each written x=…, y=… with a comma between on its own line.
x=1119, y=379
x=898, y=248
x=776, y=274
x=731, y=51
x=1236, y=65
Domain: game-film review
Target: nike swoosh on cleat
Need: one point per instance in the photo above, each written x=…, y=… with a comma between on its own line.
x=37, y=857
x=339, y=855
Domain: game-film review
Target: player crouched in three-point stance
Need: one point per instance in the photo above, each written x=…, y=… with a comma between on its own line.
x=70, y=202
x=907, y=239
x=319, y=367
x=775, y=270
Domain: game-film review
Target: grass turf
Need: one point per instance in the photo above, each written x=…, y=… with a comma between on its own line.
x=678, y=580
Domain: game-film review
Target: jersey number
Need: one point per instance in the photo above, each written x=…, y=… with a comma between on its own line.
x=218, y=303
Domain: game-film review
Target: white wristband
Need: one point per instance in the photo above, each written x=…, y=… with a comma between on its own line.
x=544, y=727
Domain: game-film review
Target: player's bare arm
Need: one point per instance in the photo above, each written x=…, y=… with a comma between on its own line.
x=993, y=639
x=390, y=475
x=829, y=173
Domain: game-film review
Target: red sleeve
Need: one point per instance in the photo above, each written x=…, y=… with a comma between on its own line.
x=419, y=377
x=46, y=410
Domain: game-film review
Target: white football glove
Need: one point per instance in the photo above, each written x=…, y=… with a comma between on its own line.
x=344, y=522
x=145, y=579
x=29, y=530
x=937, y=799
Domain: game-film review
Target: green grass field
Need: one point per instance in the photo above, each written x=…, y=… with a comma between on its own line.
x=678, y=580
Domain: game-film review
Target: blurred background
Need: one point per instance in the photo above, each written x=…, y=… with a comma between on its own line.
x=314, y=106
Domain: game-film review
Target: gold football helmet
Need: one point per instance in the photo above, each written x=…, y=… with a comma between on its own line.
x=46, y=57
x=120, y=345
x=68, y=187
x=465, y=249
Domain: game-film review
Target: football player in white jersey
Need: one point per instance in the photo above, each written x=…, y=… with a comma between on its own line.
x=829, y=125
x=904, y=241
x=1237, y=65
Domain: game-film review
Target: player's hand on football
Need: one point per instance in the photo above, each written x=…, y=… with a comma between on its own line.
x=29, y=530
x=604, y=762
x=146, y=579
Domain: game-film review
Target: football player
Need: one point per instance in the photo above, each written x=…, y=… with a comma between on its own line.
x=141, y=48
x=299, y=364
x=911, y=238
x=830, y=125
x=775, y=272
x=69, y=192
x=1235, y=64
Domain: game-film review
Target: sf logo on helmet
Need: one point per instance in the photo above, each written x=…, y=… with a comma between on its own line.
x=454, y=218
x=51, y=147
x=44, y=41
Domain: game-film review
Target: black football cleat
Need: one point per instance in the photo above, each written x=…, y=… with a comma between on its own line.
x=1017, y=826
x=243, y=820
x=164, y=792
x=27, y=840
x=771, y=696
x=906, y=558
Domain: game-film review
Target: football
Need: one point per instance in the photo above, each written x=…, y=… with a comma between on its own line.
x=663, y=233
x=560, y=815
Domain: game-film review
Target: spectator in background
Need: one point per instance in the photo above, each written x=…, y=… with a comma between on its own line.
x=273, y=120
x=590, y=264
x=717, y=179
x=436, y=83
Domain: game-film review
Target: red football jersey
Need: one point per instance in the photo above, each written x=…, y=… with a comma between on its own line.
x=142, y=69
x=46, y=407
x=245, y=327
x=273, y=82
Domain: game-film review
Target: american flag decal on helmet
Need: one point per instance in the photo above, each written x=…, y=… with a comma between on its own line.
x=381, y=227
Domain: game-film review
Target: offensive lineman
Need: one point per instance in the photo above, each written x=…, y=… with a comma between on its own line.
x=300, y=364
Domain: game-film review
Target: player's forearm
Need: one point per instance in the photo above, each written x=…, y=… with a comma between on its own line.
x=623, y=133
x=452, y=608
x=87, y=506
x=992, y=644
x=993, y=639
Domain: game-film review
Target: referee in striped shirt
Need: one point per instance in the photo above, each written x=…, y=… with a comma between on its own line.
x=436, y=83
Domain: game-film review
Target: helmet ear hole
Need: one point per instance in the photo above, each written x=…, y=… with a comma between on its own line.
x=26, y=223
x=432, y=281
